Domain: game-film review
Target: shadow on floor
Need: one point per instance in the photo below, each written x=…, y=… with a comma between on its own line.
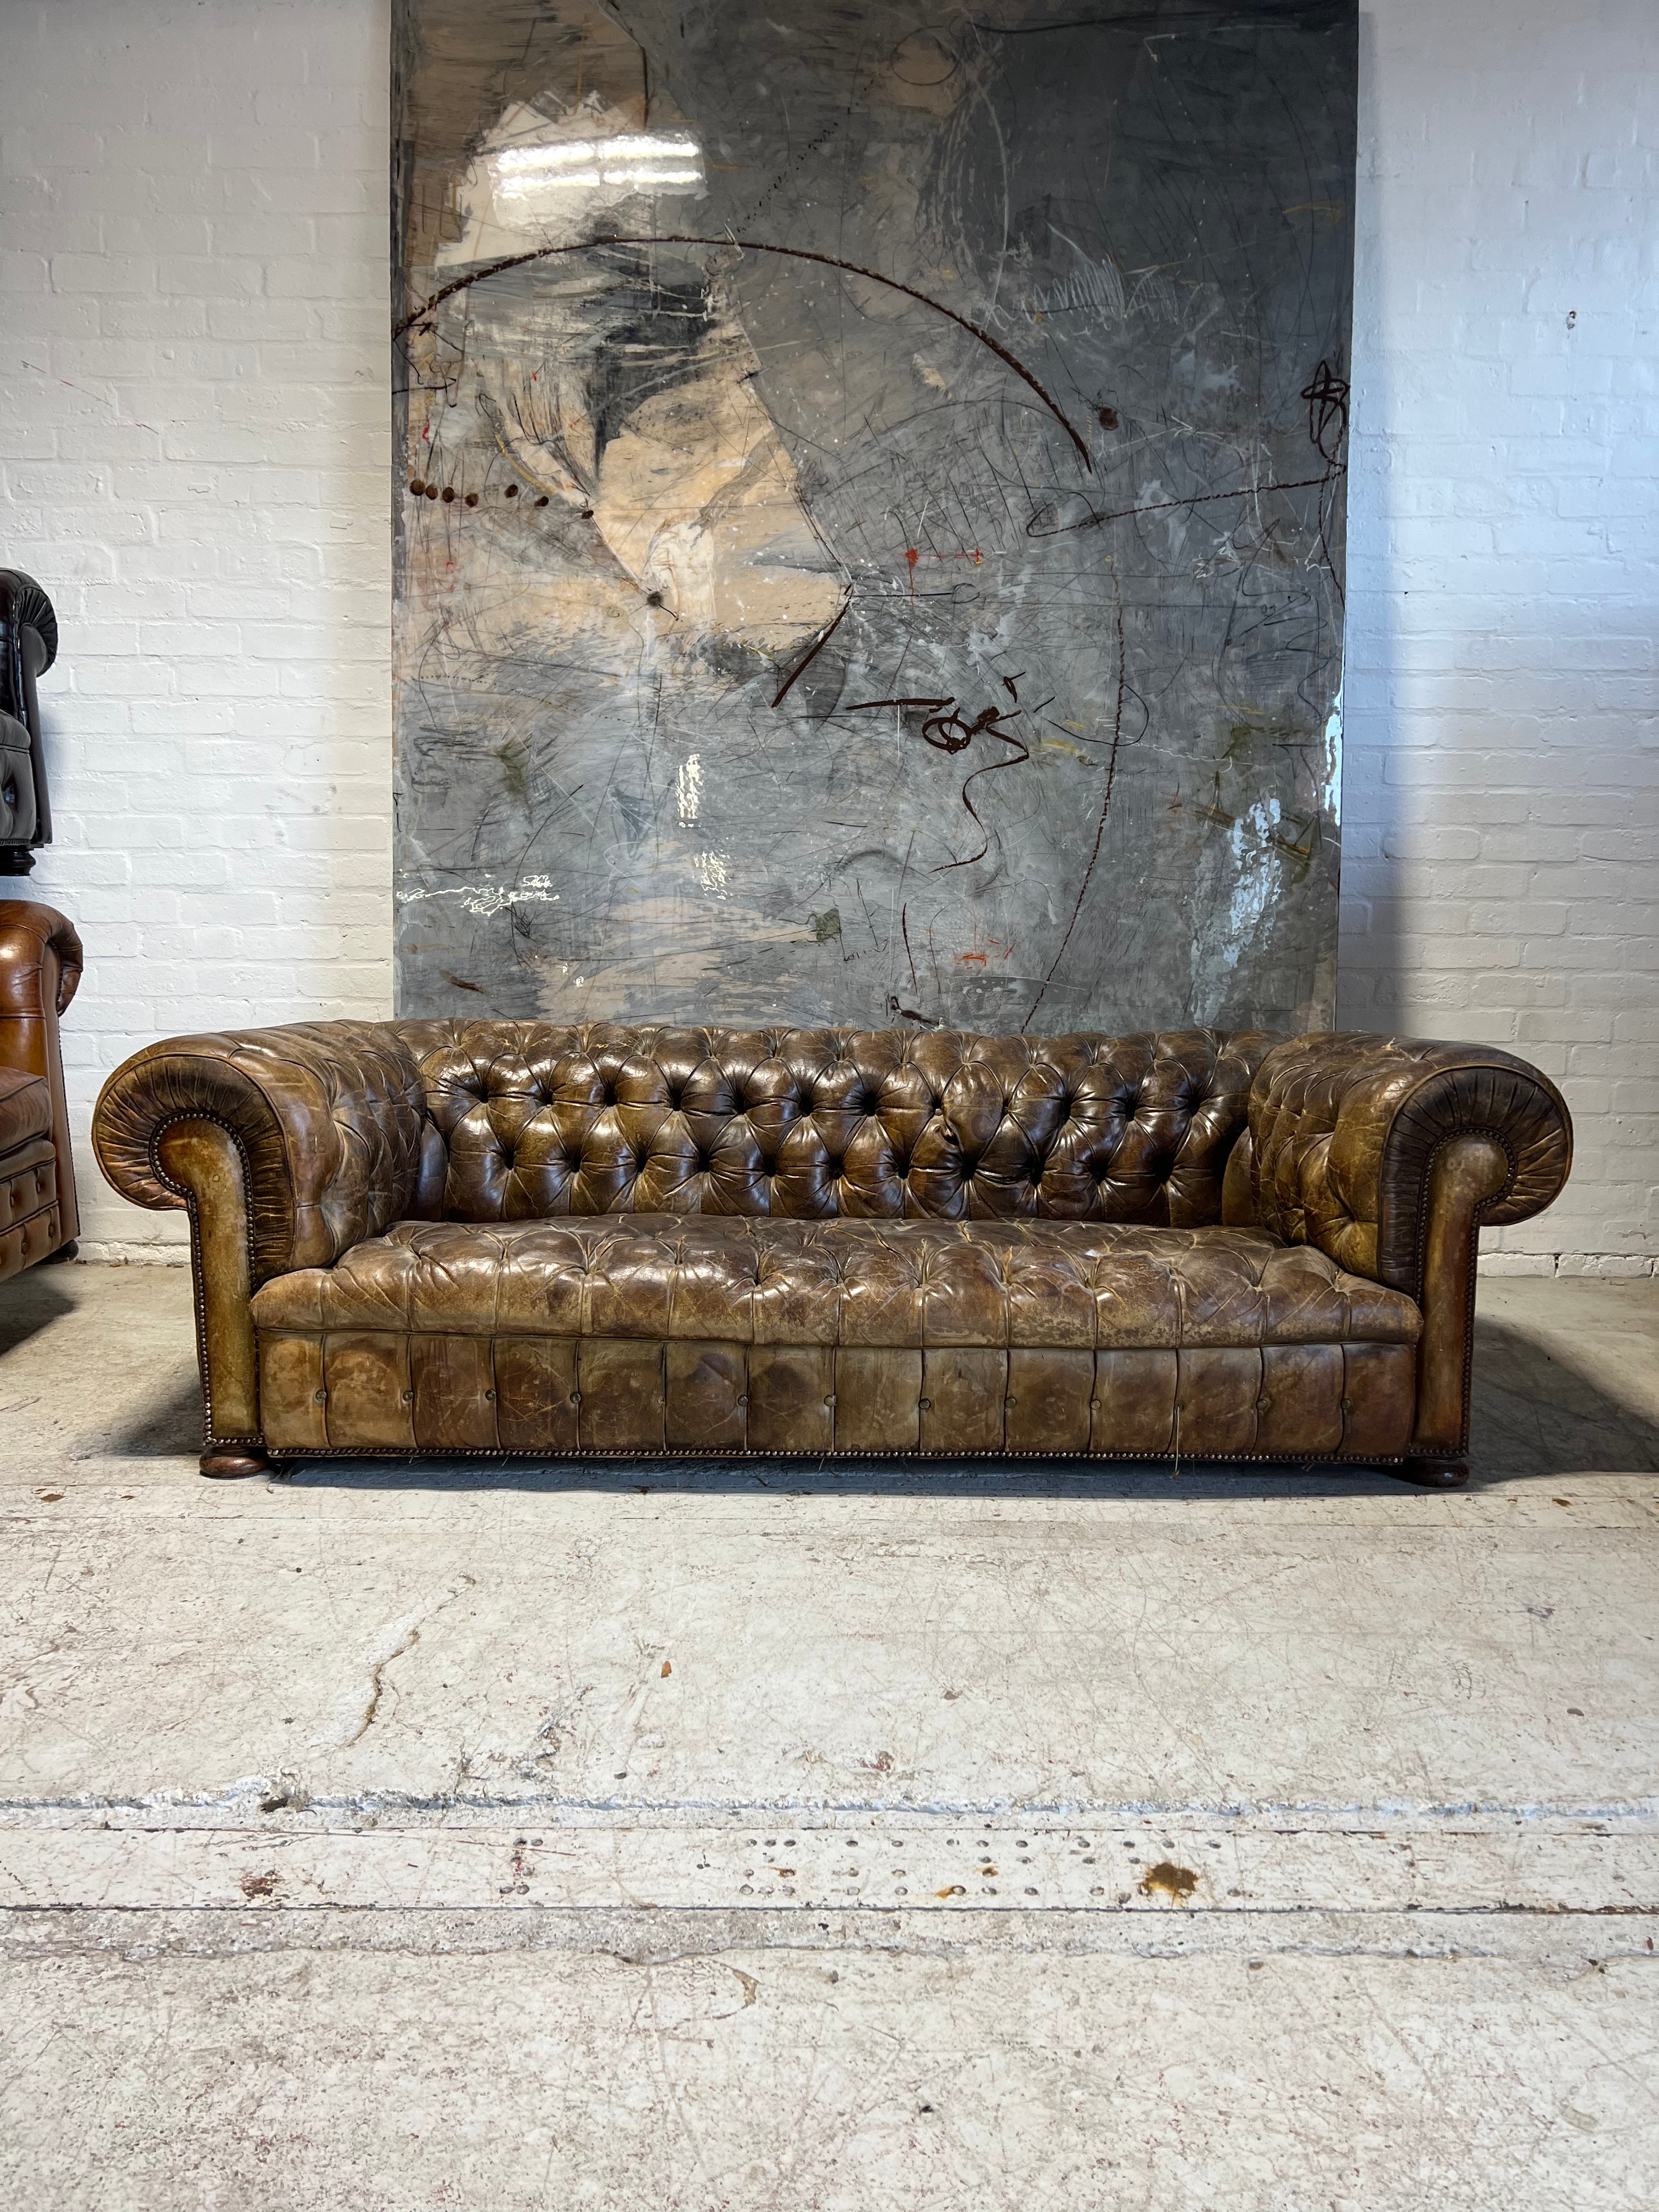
x=30, y=1303
x=1536, y=1413
x=165, y=1427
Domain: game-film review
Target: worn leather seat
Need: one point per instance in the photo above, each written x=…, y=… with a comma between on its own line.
x=897, y=1283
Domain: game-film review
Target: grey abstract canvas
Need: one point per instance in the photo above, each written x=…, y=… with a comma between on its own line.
x=870, y=509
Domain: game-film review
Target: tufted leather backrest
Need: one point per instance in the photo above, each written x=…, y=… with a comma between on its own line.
x=539, y=1119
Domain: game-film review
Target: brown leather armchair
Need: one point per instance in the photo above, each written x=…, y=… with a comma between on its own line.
x=40, y=968
x=509, y=1237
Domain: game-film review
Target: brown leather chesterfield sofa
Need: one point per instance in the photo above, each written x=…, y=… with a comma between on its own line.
x=39, y=967
x=505, y=1237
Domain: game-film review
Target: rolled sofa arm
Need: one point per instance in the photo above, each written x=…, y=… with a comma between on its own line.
x=1391, y=1155
x=328, y=1119
x=288, y=1145
x=40, y=970
x=1345, y=1131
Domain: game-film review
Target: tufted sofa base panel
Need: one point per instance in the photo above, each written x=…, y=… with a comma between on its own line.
x=31, y=1223
x=384, y=1390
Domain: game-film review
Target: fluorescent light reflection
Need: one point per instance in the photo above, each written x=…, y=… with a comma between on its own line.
x=635, y=146
x=640, y=161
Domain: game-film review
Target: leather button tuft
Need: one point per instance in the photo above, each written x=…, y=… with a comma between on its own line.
x=489, y=1394
x=321, y=1397
x=744, y=1401
x=831, y=1400
x=408, y=1397
x=1009, y=1402
x=925, y=1405
x=575, y=1397
x=1348, y=1405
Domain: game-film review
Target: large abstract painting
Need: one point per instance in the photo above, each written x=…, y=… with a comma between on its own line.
x=870, y=509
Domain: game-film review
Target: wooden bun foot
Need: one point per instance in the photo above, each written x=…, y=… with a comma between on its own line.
x=233, y=1462
x=1433, y=1474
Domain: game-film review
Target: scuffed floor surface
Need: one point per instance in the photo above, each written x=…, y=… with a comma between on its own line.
x=669, y=1837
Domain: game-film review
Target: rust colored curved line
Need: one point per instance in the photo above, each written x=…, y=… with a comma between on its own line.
x=757, y=246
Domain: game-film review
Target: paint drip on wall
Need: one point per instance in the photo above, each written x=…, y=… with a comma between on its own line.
x=870, y=511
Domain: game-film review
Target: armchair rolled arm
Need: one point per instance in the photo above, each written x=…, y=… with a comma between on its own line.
x=40, y=960
x=1345, y=1131
x=328, y=1119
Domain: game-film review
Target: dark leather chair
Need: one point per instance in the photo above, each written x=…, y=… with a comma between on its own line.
x=40, y=968
x=28, y=645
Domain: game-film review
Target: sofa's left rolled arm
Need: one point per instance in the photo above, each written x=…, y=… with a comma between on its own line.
x=287, y=1146
x=329, y=1120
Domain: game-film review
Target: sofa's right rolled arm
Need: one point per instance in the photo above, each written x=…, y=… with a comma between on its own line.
x=328, y=1119
x=1391, y=1156
x=1346, y=1129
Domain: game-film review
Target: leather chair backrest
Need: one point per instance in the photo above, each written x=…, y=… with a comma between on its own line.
x=28, y=645
x=540, y=1119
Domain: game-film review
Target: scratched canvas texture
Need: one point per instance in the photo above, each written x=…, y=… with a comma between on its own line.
x=870, y=510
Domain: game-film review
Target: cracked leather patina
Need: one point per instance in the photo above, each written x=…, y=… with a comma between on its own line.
x=1391, y=1155
x=503, y=1237
x=329, y=1117
x=1344, y=1129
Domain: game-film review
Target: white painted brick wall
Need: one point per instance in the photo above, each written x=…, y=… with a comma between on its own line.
x=195, y=454
x=1501, y=832
x=195, y=443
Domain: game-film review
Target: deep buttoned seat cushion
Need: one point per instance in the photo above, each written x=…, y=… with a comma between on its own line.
x=640, y=1332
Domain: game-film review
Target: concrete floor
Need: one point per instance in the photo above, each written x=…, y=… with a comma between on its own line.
x=678, y=1836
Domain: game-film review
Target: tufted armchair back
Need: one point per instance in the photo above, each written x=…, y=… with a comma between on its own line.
x=539, y=1119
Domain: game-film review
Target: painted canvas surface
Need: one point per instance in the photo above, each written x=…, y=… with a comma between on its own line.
x=870, y=509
